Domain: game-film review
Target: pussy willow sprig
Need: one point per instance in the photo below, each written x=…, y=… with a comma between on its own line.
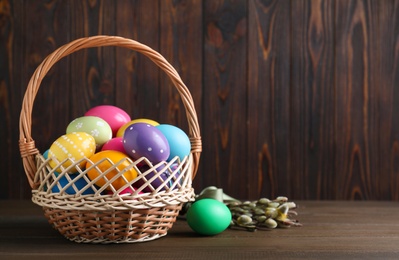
x=263, y=214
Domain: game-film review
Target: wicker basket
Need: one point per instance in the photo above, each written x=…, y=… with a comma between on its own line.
x=113, y=217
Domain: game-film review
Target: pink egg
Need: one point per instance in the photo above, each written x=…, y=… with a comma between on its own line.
x=115, y=144
x=114, y=116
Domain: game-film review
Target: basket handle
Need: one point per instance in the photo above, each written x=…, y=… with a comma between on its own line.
x=27, y=146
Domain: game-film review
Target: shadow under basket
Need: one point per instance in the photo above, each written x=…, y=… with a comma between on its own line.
x=106, y=214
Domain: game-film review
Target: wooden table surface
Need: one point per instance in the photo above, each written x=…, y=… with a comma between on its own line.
x=331, y=230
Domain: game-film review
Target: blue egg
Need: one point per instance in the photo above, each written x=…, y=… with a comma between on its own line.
x=45, y=154
x=79, y=184
x=179, y=143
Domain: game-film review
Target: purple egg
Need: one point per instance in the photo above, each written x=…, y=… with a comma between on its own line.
x=145, y=140
x=158, y=181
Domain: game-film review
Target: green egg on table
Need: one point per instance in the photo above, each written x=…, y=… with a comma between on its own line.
x=208, y=217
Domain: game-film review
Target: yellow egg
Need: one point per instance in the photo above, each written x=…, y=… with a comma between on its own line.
x=74, y=146
x=105, y=160
x=121, y=130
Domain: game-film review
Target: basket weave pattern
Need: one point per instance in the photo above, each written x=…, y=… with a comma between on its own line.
x=99, y=216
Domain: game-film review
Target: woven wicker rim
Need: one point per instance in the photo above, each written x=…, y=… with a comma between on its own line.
x=27, y=146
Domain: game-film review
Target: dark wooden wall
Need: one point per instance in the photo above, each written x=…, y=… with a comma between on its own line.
x=296, y=98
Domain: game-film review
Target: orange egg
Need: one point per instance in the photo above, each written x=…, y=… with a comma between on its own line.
x=105, y=161
x=121, y=130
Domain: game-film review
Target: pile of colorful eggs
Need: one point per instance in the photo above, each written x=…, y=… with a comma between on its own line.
x=106, y=140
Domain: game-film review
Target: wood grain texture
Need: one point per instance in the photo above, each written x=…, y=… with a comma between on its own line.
x=137, y=83
x=93, y=81
x=312, y=100
x=388, y=180
x=331, y=230
x=269, y=98
x=295, y=98
x=181, y=37
x=224, y=129
x=44, y=35
x=356, y=114
x=6, y=95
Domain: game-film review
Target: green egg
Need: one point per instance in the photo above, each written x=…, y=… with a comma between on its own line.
x=94, y=126
x=208, y=217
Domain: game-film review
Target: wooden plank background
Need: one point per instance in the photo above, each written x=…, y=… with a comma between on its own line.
x=296, y=98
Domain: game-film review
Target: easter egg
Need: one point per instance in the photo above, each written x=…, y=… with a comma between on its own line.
x=45, y=154
x=115, y=144
x=78, y=183
x=75, y=146
x=208, y=217
x=145, y=140
x=114, y=116
x=104, y=161
x=156, y=177
x=94, y=126
x=121, y=130
x=179, y=143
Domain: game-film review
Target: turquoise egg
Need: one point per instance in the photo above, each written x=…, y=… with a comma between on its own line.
x=179, y=142
x=45, y=154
